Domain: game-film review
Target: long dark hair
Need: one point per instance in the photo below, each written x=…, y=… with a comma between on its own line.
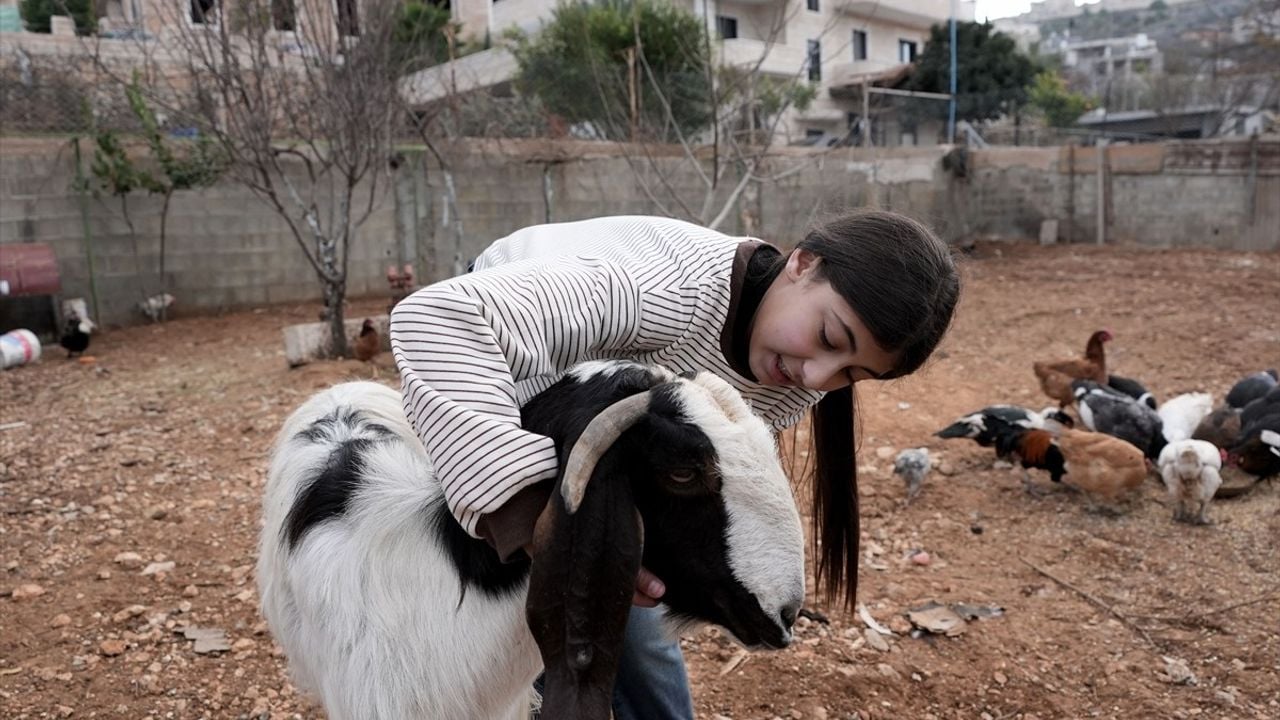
x=902, y=282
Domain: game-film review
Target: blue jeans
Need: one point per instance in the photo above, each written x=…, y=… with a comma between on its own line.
x=652, y=683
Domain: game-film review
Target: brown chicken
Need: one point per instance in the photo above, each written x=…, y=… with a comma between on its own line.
x=1104, y=467
x=1055, y=377
x=369, y=344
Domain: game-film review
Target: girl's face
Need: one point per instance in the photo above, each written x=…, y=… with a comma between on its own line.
x=805, y=335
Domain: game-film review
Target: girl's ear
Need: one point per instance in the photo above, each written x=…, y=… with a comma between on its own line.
x=801, y=265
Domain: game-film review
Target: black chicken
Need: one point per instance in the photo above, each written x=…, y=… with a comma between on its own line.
x=1108, y=411
x=1258, y=450
x=75, y=338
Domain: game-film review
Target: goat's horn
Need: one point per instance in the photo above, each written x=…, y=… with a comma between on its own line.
x=596, y=439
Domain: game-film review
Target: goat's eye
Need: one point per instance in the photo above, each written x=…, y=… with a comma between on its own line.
x=683, y=475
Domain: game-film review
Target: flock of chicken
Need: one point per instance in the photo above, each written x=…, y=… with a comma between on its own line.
x=1185, y=439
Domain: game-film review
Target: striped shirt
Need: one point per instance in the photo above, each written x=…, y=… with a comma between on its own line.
x=472, y=349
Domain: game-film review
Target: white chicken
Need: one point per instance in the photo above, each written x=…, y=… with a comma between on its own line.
x=913, y=465
x=1182, y=414
x=1190, y=469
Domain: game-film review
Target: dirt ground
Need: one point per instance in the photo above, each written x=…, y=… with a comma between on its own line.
x=156, y=453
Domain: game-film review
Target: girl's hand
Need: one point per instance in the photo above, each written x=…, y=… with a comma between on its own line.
x=648, y=589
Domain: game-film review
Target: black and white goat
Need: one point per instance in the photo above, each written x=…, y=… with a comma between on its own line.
x=388, y=609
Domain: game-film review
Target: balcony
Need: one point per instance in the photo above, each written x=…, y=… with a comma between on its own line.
x=466, y=74
x=779, y=59
x=910, y=13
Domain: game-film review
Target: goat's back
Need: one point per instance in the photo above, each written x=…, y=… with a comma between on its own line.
x=356, y=583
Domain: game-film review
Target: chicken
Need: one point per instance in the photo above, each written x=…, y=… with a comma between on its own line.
x=1034, y=448
x=1190, y=469
x=1251, y=388
x=985, y=425
x=156, y=307
x=369, y=344
x=1220, y=427
x=1102, y=466
x=1111, y=413
x=76, y=336
x=1133, y=389
x=913, y=465
x=1181, y=415
x=1257, y=450
x=1055, y=377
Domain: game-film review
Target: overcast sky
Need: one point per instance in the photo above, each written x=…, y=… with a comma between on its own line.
x=992, y=9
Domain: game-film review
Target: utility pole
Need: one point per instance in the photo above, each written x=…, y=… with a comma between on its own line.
x=951, y=110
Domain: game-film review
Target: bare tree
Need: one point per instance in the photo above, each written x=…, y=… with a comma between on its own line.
x=303, y=101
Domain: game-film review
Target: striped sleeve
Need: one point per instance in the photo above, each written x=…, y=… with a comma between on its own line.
x=463, y=344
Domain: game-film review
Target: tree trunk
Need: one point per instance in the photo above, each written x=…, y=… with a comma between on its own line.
x=334, y=294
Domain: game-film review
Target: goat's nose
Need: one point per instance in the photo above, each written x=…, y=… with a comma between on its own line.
x=788, y=615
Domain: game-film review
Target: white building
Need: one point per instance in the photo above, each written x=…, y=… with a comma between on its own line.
x=1109, y=65
x=832, y=43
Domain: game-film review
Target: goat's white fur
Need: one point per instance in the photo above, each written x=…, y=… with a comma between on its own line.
x=367, y=606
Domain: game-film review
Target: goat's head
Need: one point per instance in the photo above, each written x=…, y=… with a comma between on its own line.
x=672, y=471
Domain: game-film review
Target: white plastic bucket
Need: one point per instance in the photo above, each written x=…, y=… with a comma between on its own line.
x=18, y=347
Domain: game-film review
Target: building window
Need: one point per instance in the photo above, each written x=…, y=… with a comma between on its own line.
x=859, y=44
x=814, y=61
x=727, y=27
x=204, y=12
x=813, y=5
x=348, y=18
x=906, y=51
x=284, y=15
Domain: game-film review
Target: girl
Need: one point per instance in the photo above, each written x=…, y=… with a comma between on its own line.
x=866, y=295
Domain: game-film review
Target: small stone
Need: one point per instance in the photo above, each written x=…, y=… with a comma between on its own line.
x=1000, y=678
x=130, y=612
x=887, y=670
x=242, y=644
x=129, y=559
x=158, y=567
x=104, y=574
x=876, y=640
x=65, y=711
x=946, y=468
x=899, y=624
x=61, y=620
x=190, y=591
x=157, y=513
x=920, y=557
x=1225, y=697
x=27, y=591
x=112, y=647
x=884, y=452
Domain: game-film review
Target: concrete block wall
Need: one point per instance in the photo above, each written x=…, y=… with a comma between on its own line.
x=227, y=249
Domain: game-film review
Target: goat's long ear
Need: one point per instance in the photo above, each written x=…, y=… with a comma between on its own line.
x=586, y=552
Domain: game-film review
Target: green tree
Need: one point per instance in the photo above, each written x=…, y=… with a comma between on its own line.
x=36, y=14
x=182, y=165
x=1060, y=106
x=421, y=34
x=596, y=64
x=992, y=75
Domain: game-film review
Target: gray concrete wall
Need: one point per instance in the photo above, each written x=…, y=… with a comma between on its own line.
x=226, y=248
